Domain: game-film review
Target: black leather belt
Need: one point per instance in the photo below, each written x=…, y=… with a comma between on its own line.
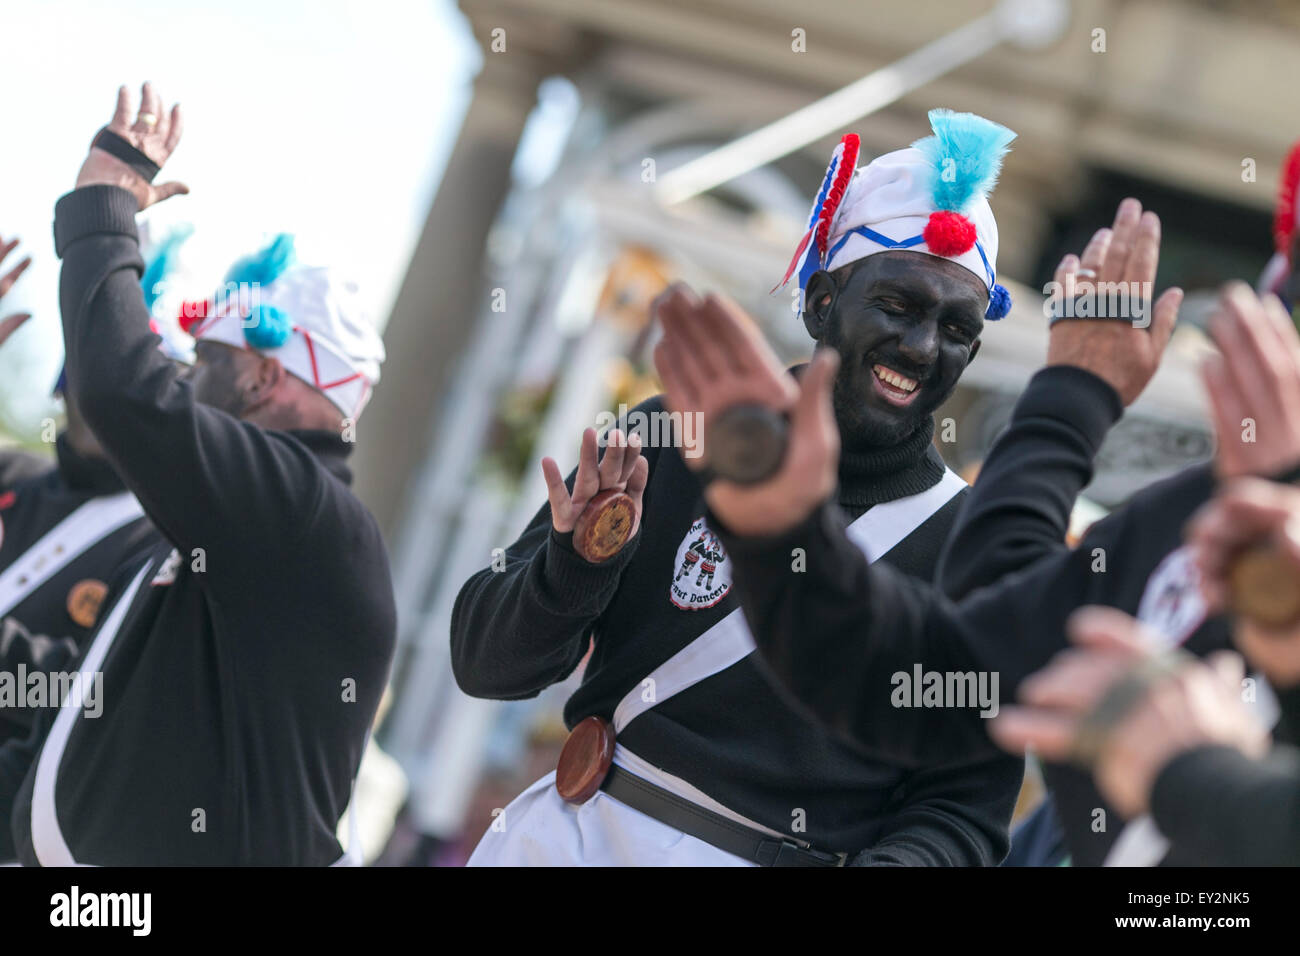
x=714, y=829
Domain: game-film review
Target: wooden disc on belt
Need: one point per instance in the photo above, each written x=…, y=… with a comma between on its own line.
x=585, y=760
x=604, y=526
x=1264, y=588
x=746, y=443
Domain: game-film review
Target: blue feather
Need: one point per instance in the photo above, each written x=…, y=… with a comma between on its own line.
x=965, y=155
x=265, y=266
x=160, y=264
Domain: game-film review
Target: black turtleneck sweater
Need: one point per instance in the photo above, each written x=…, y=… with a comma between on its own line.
x=240, y=688
x=732, y=735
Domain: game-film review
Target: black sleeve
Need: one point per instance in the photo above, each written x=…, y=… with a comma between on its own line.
x=524, y=625
x=1019, y=508
x=1226, y=809
x=952, y=815
x=34, y=653
x=170, y=450
x=848, y=639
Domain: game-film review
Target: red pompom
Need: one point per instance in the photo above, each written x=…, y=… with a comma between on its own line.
x=1284, y=215
x=949, y=233
x=191, y=314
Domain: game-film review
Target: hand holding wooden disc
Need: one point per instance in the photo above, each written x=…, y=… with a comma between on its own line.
x=604, y=526
x=1263, y=587
x=746, y=443
x=604, y=508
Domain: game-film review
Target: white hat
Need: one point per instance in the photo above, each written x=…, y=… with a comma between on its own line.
x=307, y=317
x=931, y=197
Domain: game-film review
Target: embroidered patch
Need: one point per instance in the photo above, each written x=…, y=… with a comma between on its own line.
x=702, y=575
x=84, y=601
x=1172, y=605
x=167, y=573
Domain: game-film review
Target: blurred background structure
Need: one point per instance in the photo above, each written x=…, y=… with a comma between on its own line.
x=523, y=310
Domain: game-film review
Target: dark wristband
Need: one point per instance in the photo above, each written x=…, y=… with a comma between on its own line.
x=119, y=148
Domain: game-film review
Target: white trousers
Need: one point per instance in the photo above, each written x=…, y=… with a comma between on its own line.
x=541, y=829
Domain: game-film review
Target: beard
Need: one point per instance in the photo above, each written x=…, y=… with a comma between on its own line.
x=863, y=426
x=216, y=382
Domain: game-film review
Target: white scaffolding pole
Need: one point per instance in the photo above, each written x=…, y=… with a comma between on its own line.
x=1026, y=23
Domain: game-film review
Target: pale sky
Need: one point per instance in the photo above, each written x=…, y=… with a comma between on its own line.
x=331, y=119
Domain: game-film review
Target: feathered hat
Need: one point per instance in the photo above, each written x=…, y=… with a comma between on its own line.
x=931, y=197
x=307, y=317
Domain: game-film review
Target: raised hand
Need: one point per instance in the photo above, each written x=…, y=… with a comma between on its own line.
x=1118, y=267
x=10, y=323
x=713, y=357
x=1254, y=384
x=1070, y=710
x=1250, y=513
x=153, y=131
x=621, y=469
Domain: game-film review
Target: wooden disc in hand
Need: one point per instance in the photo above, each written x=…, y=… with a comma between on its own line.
x=604, y=526
x=585, y=760
x=1264, y=588
x=746, y=443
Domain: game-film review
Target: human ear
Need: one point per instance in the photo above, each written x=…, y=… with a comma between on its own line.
x=819, y=301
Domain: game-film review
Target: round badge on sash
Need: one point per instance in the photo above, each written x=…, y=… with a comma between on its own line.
x=84, y=601
x=585, y=760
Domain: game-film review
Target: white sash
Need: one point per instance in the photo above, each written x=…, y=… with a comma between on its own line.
x=876, y=531
x=74, y=535
x=47, y=838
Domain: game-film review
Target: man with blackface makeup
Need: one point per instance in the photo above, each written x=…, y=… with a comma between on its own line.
x=682, y=751
x=244, y=654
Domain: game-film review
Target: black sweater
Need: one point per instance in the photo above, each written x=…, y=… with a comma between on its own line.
x=28, y=509
x=873, y=623
x=39, y=632
x=732, y=736
x=1018, y=513
x=245, y=676
x=1221, y=808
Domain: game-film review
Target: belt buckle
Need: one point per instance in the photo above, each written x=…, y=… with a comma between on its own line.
x=789, y=853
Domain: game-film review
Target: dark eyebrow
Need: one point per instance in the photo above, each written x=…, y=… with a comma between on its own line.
x=967, y=316
x=906, y=292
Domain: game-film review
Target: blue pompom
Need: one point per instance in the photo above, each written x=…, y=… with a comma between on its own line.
x=999, y=303
x=265, y=266
x=267, y=327
x=965, y=155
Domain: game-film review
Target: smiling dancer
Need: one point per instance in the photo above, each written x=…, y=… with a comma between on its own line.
x=712, y=766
